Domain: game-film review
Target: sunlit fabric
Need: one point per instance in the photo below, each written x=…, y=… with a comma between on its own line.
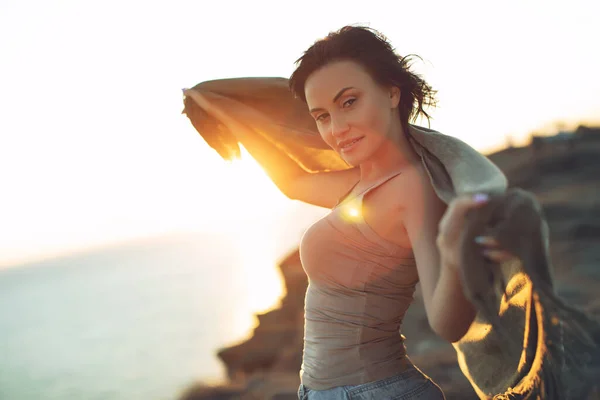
x=526, y=343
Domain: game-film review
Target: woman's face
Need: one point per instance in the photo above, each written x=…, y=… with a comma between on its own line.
x=354, y=114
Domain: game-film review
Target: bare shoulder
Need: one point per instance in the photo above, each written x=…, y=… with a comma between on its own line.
x=420, y=212
x=417, y=192
x=399, y=205
x=411, y=187
x=400, y=191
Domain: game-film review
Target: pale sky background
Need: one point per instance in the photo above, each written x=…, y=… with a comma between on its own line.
x=94, y=150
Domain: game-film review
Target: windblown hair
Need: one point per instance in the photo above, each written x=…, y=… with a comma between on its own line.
x=373, y=52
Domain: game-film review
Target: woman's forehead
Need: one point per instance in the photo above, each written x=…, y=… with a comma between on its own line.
x=323, y=84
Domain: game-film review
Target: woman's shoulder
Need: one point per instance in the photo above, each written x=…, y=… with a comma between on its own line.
x=412, y=185
x=412, y=176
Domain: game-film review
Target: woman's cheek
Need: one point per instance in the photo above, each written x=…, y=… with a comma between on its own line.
x=327, y=137
x=373, y=118
x=376, y=122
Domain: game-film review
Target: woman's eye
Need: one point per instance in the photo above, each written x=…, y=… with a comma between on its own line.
x=322, y=117
x=349, y=102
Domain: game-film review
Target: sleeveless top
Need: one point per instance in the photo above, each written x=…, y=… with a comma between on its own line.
x=360, y=286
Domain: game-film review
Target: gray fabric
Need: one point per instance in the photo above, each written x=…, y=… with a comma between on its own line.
x=540, y=346
x=525, y=343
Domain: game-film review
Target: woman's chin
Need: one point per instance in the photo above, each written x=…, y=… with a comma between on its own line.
x=351, y=160
x=357, y=154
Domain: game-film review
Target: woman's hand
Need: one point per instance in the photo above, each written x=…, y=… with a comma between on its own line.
x=198, y=97
x=452, y=224
x=207, y=102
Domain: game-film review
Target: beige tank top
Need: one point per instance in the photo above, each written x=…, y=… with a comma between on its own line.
x=360, y=286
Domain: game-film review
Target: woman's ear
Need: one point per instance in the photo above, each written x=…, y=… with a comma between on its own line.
x=394, y=96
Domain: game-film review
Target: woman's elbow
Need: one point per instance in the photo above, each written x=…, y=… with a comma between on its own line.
x=451, y=329
x=451, y=336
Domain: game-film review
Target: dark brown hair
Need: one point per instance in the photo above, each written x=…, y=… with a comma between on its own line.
x=373, y=51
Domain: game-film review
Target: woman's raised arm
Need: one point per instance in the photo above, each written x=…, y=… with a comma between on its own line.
x=322, y=189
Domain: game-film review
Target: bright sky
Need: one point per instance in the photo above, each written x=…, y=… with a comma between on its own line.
x=93, y=148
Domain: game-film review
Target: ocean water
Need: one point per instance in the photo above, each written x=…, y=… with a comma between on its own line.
x=137, y=321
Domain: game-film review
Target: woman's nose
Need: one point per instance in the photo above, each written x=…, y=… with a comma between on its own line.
x=339, y=125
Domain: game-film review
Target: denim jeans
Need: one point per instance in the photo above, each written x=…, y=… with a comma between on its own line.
x=410, y=384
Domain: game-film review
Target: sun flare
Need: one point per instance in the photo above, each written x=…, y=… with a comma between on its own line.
x=254, y=207
x=246, y=195
x=352, y=210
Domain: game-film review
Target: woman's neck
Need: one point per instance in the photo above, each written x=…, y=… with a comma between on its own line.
x=391, y=156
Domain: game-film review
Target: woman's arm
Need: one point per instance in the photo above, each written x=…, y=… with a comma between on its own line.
x=449, y=312
x=320, y=189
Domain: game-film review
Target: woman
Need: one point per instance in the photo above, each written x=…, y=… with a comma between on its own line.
x=387, y=229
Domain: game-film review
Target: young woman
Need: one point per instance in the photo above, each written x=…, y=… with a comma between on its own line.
x=387, y=229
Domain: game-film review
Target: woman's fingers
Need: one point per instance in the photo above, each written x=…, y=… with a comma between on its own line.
x=206, y=102
x=453, y=223
x=196, y=96
x=453, y=220
x=490, y=249
x=487, y=241
x=497, y=255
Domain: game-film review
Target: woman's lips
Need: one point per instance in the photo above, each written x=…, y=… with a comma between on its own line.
x=350, y=146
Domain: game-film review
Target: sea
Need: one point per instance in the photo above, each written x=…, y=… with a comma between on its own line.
x=141, y=320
